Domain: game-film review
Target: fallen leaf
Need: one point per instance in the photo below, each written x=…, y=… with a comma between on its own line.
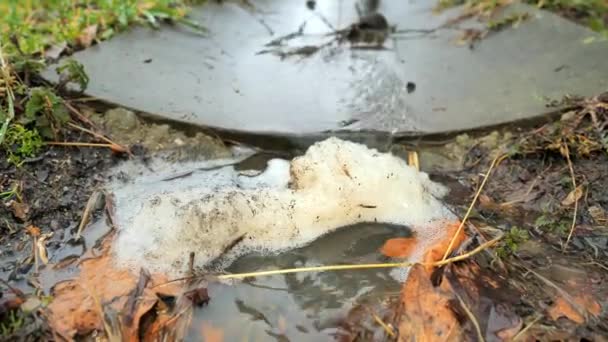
x=398, y=247
x=573, y=196
x=33, y=231
x=437, y=251
x=426, y=314
x=87, y=36
x=41, y=246
x=563, y=308
x=198, y=296
x=20, y=210
x=598, y=214
x=211, y=334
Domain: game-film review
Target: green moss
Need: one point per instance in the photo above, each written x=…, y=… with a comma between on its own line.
x=20, y=143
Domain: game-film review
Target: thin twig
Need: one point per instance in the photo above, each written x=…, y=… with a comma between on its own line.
x=386, y=327
x=361, y=266
x=97, y=135
x=567, y=153
x=100, y=136
x=113, y=147
x=524, y=330
x=343, y=267
x=466, y=216
x=412, y=160
x=86, y=215
x=472, y=318
x=78, y=114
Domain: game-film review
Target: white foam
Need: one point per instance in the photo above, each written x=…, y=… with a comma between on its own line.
x=335, y=184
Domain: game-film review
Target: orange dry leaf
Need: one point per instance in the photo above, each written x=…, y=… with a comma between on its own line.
x=437, y=251
x=211, y=333
x=426, y=315
x=33, y=230
x=75, y=307
x=563, y=308
x=398, y=247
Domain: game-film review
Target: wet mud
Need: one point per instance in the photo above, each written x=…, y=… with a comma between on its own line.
x=539, y=282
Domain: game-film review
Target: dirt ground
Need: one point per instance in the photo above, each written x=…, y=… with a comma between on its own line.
x=539, y=282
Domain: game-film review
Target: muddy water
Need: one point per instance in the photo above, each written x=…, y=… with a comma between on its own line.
x=305, y=306
x=294, y=307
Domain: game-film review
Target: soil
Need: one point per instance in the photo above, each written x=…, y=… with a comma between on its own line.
x=550, y=286
x=54, y=189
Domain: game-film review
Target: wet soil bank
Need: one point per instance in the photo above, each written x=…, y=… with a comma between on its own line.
x=546, y=195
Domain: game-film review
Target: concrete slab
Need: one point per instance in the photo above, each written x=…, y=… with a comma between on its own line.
x=223, y=80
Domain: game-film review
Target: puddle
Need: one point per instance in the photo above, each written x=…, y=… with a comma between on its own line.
x=220, y=214
x=305, y=306
x=297, y=306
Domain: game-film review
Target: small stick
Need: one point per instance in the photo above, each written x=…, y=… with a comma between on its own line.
x=113, y=147
x=346, y=267
x=466, y=216
x=523, y=331
x=471, y=318
x=78, y=114
x=412, y=160
x=362, y=266
x=567, y=153
x=386, y=327
x=86, y=215
x=99, y=136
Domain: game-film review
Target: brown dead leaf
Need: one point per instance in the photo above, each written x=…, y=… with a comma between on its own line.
x=563, y=308
x=426, y=314
x=75, y=307
x=436, y=252
x=87, y=36
x=41, y=246
x=211, y=333
x=10, y=302
x=573, y=196
x=598, y=214
x=398, y=247
x=20, y=210
x=33, y=231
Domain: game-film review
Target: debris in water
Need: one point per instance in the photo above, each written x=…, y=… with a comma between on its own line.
x=335, y=184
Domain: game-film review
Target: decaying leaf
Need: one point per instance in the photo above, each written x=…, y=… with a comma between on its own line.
x=398, y=247
x=449, y=303
x=563, y=308
x=598, y=214
x=20, y=210
x=41, y=246
x=437, y=251
x=75, y=308
x=198, y=296
x=427, y=315
x=33, y=231
x=573, y=196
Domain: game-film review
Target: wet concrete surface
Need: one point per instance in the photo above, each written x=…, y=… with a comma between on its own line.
x=425, y=83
